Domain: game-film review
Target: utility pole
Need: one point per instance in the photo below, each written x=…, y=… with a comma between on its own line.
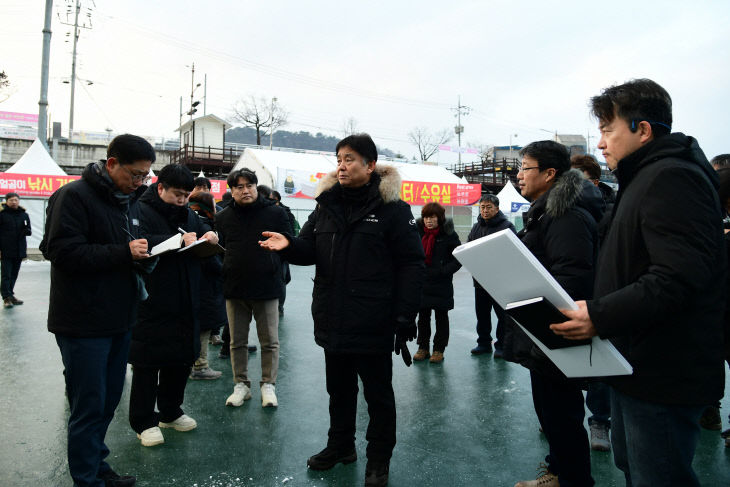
x=43, y=102
x=73, y=66
x=460, y=128
x=271, y=124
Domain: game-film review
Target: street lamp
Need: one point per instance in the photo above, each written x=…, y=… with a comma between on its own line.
x=510, y=144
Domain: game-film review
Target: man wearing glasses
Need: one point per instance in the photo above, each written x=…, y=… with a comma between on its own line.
x=92, y=240
x=252, y=283
x=489, y=221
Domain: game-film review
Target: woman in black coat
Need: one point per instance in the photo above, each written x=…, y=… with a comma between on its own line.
x=439, y=241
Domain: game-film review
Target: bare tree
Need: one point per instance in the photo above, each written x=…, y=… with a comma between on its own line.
x=261, y=114
x=350, y=127
x=4, y=84
x=428, y=143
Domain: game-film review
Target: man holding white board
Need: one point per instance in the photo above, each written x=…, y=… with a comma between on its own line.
x=656, y=294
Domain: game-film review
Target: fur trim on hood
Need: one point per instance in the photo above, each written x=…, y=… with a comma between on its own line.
x=571, y=190
x=389, y=188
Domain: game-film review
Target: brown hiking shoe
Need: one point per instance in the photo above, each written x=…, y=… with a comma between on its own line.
x=8, y=303
x=15, y=300
x=437, y=357
x=545, y=478
x=421, y=354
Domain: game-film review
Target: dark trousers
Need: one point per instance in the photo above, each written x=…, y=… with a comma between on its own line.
x=598, y=400
x=376, y=373
x=654, y=444
x=560, y=409
x=441, y=338
x=483, y=304
x=94, y=374
x=165, y=386
x=9, y=269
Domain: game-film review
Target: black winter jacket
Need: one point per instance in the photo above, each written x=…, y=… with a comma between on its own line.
x=212, y=303
x=483, y=227
x=561, y=231
x=438, y=287
x=659, y=292
x=93, y=284
x=369, y=265
x=167, y=331
x=250, y=272
x=14, y=227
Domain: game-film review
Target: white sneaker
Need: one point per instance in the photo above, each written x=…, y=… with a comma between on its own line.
x=183, y=423
x=151, y=436
x=241, y=392
x=268, y=396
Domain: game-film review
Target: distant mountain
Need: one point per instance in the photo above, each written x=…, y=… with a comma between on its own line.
x=293, y=140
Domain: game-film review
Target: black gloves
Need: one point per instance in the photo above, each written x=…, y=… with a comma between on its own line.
x=404, y=331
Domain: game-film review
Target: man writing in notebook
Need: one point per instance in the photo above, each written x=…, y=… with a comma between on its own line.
x=657, y=295
x=561, y=231
x=94, y=243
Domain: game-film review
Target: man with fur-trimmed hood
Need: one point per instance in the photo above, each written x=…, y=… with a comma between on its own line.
x=561, y=231
x=367, y=291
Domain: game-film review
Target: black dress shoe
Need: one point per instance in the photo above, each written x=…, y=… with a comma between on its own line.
x=113, y=479
x=329, y=457
x=376, y=473
x=15, y=300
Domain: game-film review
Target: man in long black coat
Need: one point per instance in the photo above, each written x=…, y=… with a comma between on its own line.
x=367, y=288
x=659, y=295
x=14, y=228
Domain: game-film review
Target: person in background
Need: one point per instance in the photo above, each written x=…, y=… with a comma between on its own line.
x=275, y=196
x=165, y=339
x=14, y=228
x=92, y=225
x=490, y=220
x=439, y=241
x=598, y=395
x=252, y=281
x=212, y=304
x=724, y=191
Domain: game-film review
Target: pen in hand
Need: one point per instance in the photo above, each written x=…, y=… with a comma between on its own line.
x=134, y=238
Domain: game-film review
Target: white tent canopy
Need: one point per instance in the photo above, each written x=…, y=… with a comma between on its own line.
x=509, y=198
x=36, y=160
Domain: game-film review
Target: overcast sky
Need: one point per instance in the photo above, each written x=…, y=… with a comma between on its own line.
x=523, y=67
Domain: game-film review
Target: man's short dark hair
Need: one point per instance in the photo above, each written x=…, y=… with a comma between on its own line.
x=202, y=181
x=264, y=190
x=548, y=154
x=176, y=176
x=128, y=149
x=587, y=164
x=489, y=198
x=638, y=100
x=276, y=195
x=434, y=209
x=724, y=175
x=721, y=160
x=362, y=144
x=11, y=195
x=244, y=173
x=227, y=196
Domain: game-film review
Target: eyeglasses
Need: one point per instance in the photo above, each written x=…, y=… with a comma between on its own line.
x=525, y=169
x=487, y=207
x=241, y=187
x=137, y=177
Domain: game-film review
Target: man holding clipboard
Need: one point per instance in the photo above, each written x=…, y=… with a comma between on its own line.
x=659, y=295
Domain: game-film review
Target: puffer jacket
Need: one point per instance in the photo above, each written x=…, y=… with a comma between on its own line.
x=14, y=227
x=561, y=231
x=369, y=264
